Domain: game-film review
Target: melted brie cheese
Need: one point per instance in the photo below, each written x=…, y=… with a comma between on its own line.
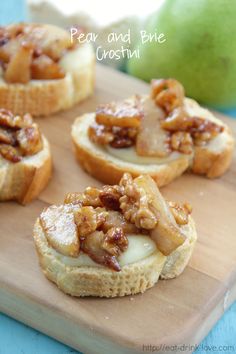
x=139, y=247
x=130, y=155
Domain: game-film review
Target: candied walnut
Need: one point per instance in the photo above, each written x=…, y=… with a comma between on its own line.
x=182, y=142
x=109, y=196
x=116, y=219
x=123, y=137
x=115, y=241
x=120, y=114
x=7, y=137
x=9, y=120
x=89, y=219
x=92, y=245
x=201, y=130
x=167, y=93
x=135, y=204
x=74, y=198
x=90, y=197
x=29, y=139
x=177, y=120
x=100, y=134
x=19, y=135
x=180, y=212
x=10, y=153
x=117, y=137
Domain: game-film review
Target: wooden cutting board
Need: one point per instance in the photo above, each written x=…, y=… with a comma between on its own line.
x=174, y=312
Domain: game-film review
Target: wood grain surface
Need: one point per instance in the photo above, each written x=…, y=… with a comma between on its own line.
x=174, y=312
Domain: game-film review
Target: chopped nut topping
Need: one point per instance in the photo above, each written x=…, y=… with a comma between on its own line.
x=180, y=212
x=9, y=120
x=74, y=198
x=100, y=134
x=110, y=196
x=177, y=120
x=10, y=153
x=117, y=137
x=19, y=136
x=167, y=93
x=30, y=140
x=117, y=124
x=182, y=142
x=199, y=129
x=90, y=197
x=7, y=137
x=135, y=204
x=115, y=241
x=124, y=114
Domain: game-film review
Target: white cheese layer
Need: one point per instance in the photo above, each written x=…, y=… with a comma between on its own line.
x=139, y=247
x=130, y=155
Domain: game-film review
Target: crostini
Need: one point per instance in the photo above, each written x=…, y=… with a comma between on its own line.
x=163, y=134
x=42, y=71
x=114, y=241
x=25, y=158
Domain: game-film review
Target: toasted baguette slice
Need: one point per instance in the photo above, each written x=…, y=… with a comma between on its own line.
x=24, y=180
x=97, y=280
x=44, y=97
x=100, y=281
x=212, y=160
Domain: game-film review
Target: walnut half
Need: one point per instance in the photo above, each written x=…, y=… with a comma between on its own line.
x=135, y=204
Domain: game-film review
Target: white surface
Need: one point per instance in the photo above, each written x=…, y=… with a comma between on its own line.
x=107, y=12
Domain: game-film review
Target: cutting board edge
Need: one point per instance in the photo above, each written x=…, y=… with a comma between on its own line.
x=34, y=314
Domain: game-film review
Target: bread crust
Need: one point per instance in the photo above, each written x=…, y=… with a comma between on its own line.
x=177, y=260
x=24, y=180
x=44, y=97
x=213, y=164
x=97, y=281
x=212, y=160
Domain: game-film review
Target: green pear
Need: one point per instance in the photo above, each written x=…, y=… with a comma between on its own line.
x=199, y=50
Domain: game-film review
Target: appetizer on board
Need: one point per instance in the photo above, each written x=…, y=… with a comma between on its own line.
x=163, y=134
x=42, y=71
x=114, y=241
x=25, y=158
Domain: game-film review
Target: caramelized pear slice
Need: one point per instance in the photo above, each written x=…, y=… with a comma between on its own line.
x=60, y=229
x=152, y=140
x=166, y=234
x=18, y=69
x=44, y=68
